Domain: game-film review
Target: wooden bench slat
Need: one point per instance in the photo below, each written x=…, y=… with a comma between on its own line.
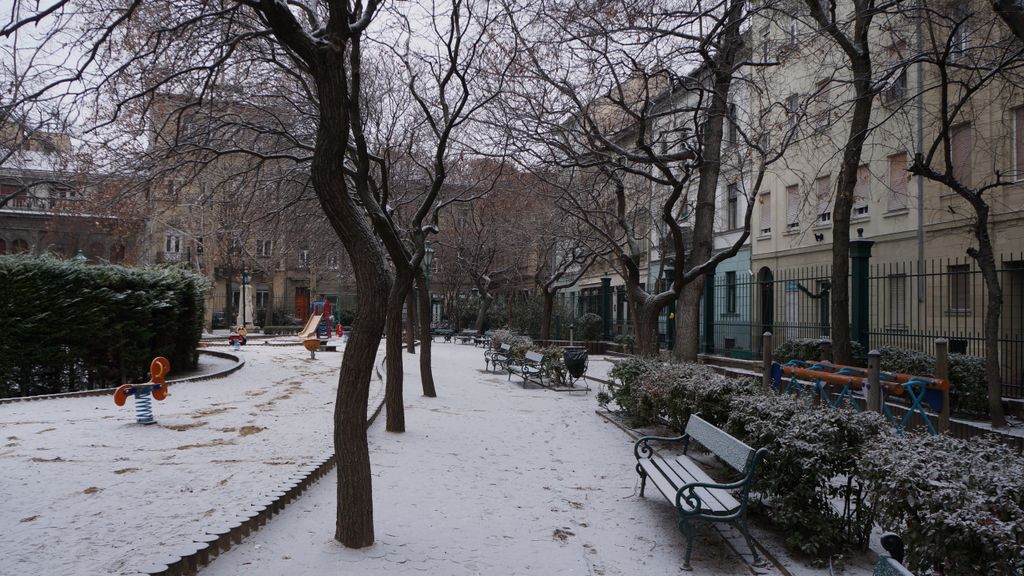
x=732, y=451
x=668, y=478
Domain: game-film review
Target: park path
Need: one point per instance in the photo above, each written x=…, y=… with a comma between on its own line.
x=489, y=479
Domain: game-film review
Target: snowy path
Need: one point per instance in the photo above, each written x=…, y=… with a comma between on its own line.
x=83, y=489
x=489, y=479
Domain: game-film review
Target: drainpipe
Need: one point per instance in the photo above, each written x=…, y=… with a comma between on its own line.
x=920, y=150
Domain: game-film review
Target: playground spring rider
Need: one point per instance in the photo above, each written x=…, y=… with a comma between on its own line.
x=157, y=386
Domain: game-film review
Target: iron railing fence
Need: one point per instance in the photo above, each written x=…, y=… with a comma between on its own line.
x=909, y=306
x=789, y=303
x=912, y=305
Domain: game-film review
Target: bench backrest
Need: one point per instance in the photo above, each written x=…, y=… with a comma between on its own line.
x=732, y=451
x=534, y=357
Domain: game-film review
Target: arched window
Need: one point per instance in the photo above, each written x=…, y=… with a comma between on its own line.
x=3, y=246
x=19, y=246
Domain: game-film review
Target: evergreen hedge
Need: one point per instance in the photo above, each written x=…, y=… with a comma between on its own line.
x=67, y=326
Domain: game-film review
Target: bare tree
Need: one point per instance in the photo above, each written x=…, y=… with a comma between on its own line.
x=629, y=104
x=968, y=61
x=305, y=62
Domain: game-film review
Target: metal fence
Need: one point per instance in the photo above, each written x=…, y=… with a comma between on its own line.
x=909, y=307
x=912, y=305
x=739, y=307
x=290, y=309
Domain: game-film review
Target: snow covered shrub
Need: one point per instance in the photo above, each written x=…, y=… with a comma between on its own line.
x=626, y=341
x=969, y=391
x=678, y=390
x=554, y=363
x=813, y=453
x=959, y=504
x=520, y=344
x=589, y=326
x=623, y=390
x=808, y=349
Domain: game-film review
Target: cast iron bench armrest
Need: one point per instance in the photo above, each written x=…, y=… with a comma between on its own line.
x=642, y=447
x=687, y=493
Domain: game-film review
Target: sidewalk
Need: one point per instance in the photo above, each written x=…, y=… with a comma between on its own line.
x=488, y=479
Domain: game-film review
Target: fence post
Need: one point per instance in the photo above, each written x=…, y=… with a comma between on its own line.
x=860, y=301
x=766, y=359
x=826, y=350
x=942, y=371
x=606, y=308
x=874, y=381
x=709, y=313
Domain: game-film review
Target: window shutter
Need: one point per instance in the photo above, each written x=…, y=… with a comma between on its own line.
x=792, y=206
x=821, y=190
x=862, y=191
x=961, y=144
x=897, y=183
x=765, y=214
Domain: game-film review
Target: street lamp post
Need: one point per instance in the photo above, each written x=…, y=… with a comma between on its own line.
x=428, y=260
x=245, y=282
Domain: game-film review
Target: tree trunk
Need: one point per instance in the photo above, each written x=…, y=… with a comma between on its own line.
x=985, y=258
x=354, y=514
x=410, y=326
x=481, y=315
x=545, y=319
x=394, y=402
x=425, y=312
x=228, y=294
x=645, y=327
x=688, y=321
x=687, y=326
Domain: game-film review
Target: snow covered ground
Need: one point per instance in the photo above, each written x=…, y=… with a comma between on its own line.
x=85, y=491
x=489, y=479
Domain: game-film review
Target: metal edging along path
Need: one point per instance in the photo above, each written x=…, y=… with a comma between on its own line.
x=188, y=558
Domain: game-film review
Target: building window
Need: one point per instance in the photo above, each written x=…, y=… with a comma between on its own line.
x=822, y=191
x=730, y=292
x=262, y=298
x=792, y=207
x=897, y=301
x=862, y=192
x=959, y=287
x=793, y=111
x=264, y=247
x=3, y=246
x=766, y=213
x=732, y=207
x=172, y=243
x=732, y=130
x=19, y=246
x=304, y=257
x=960, y=41
x=961, y=141
x=332, y=261
x=897, y=199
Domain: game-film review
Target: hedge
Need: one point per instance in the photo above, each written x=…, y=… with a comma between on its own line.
x=959, y=504
x=67, y=326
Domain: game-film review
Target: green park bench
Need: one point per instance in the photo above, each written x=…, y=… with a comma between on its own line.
x=495, y=358
x=696, y=495
x=531, y=366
